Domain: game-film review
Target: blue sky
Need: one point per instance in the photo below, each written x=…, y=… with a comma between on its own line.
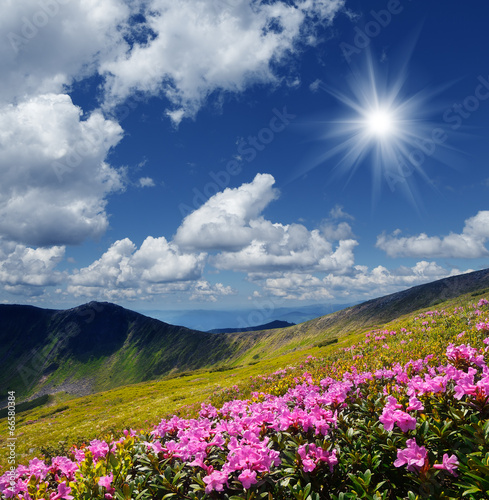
x=219, y=154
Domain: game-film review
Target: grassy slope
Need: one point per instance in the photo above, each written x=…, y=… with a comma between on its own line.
x=367, y=315
x=97, y=347
x=142, y=405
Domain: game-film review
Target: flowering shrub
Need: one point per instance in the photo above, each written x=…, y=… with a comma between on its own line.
x=404, y=413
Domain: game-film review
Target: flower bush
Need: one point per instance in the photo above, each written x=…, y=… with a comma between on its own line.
x=401, y=414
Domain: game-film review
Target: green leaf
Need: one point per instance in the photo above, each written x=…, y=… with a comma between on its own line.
x=168, y=473
x=367, y=476
x=474, y=489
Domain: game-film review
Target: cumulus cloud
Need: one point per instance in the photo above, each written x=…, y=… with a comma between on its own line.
x=125, y=266
x=359, y=283
x=204, y=291
x=334, y=231
x=45, y=46
x=25, y=270
x=231, y=222
x=158, y=267
x=341, y=231
x=183, y=50
x=470, y=244
x=299, y=286
x=291, y=247
x=54, y=176
x=202, y=46
x=230, y=219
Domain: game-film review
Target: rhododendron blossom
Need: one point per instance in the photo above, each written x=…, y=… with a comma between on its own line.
x=215, y=481
x=413, y=456
x=450, y=464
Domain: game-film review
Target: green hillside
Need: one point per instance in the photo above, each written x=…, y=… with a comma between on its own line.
x=62, y=418
x=100, y=346
x=366, y=448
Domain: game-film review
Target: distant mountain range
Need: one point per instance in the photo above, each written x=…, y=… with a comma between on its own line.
x=99, y=346
x=268, y=326
x=207, y=320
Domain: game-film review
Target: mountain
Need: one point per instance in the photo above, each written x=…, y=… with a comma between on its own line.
x=268, y=326
x=98, y=346
x=381, y=310
x=92, y=347
x=216, y=319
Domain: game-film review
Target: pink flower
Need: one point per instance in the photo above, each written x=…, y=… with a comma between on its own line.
x=106, y=481
x=155, y=446
x=247, y=478
x=390, y=417
x=63, y=492
x=449, y=464
x=98, y=448
x=415, y=404
x=215, y=481
x=404, y=421
x=413, y=456
x=387, y=419
x=311, y=455
x=38, y=468
x=392, y=403
x=80, y=455
x=65, y=466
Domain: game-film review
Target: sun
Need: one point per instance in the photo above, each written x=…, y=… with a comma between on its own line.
x=380, y=123
x=384, y=127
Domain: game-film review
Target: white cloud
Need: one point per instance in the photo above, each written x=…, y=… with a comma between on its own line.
x=146, y=182
x=337, y=213
x=54, y=177
x=45, y=45
x=28, y=270
x=297, y=286
x=204, y=291
x=360, y=283
x=230, y=219
x=314, y=86
x=289, y=247
x=183, y=50
x=336, y=232
x=124, y=270
x=467, y=245
x=232, y=222
x=206, y=45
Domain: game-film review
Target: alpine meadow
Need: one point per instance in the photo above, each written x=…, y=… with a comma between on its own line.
x=244, y=250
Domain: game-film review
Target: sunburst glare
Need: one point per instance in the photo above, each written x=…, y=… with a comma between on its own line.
x=385, y=128
x=380, y=123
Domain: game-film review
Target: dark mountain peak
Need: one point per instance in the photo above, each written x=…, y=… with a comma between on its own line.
x=268, y=326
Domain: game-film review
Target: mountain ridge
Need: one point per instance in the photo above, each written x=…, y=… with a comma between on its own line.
x=257, y=328
x=99, y=345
